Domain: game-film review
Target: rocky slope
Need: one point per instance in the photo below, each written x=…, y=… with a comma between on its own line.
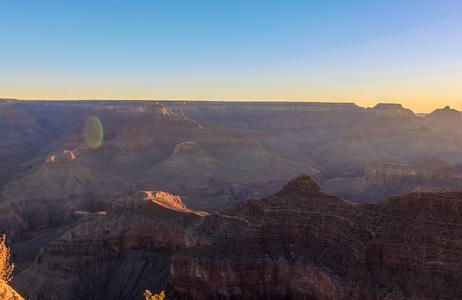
x=386, y=179
x=302, y=243
x=299, y=243
x=117, y=256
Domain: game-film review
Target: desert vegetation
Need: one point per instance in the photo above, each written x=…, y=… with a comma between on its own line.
x=6, y=269
x=149, y=296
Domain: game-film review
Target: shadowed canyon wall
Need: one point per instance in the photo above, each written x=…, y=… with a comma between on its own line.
x=298, y=243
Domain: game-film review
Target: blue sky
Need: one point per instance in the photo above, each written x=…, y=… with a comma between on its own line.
x=338, y=51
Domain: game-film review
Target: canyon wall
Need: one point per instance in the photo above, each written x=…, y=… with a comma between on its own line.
x=386, y=179
x=298, y=243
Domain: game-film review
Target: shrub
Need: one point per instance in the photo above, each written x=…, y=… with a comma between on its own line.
x=149, y=296
x=6, y=269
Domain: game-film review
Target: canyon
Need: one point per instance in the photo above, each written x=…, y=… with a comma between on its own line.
x=221, y=158
x=298, y=243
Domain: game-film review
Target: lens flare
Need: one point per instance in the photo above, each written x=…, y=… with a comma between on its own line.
x=93, y=132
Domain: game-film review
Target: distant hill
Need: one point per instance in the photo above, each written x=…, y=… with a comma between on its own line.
x=386, y=179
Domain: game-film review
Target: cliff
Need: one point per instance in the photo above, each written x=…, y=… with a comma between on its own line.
x=116, y=256
x=302, y=243
x=386, y=179
x=298, y=243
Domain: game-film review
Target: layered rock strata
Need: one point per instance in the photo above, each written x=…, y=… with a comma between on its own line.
x=299, y=243
x=113, y=257
x=304, y=244
x=386, y=179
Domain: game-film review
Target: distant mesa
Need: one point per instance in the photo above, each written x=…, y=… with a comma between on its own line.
x=445, y=114
x=391, y=109
x=435, y=164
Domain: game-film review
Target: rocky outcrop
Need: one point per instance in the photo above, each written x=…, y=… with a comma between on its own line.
x=302, y=243
x=385, y=179
x=7, y=293
x=63, y=174
x=114, y=257
x=299, y=243
x=18, y=217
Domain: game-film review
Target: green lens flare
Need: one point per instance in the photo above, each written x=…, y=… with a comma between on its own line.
x=93, y=132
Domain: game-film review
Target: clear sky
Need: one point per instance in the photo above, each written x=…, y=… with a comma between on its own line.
x=338, y=51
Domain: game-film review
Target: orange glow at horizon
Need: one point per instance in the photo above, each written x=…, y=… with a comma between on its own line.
x=424, y=100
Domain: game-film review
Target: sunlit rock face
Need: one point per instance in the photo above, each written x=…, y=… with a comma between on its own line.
x=299, y=243
x=8, y=293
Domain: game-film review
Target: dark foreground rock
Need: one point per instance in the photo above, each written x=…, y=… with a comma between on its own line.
x=299, y=243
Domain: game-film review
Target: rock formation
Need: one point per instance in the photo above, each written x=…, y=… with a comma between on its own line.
x=214, y=155
x=113, y=257
x=146, y=147
x=7, y=293
x=301, y=243
x=386, y=179
x=445, y=121
x=298, y=243
x=391, y=109
x=62, y=174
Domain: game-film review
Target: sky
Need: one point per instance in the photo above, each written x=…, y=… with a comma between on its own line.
x=366, y=52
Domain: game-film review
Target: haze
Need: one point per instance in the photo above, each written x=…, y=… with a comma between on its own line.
x=367, y=52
